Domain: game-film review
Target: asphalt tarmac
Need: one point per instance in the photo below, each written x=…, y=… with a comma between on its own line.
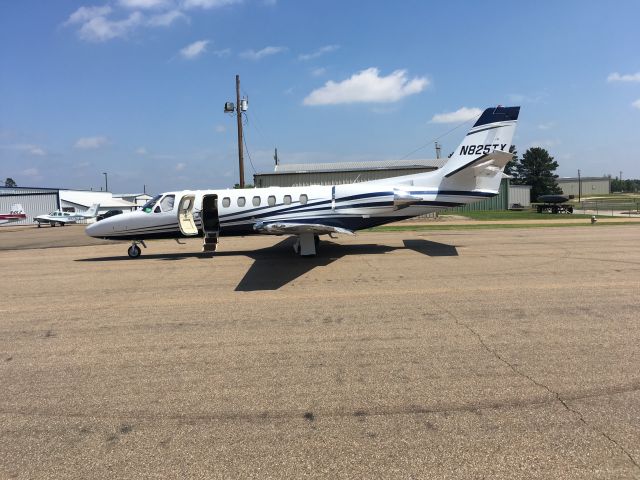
x=506, y=353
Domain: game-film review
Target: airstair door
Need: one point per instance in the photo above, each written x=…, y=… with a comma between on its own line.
x=185, y=215
x=210, y=222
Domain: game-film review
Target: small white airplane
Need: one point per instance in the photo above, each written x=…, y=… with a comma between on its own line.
x=15, y=214
x=473, y=173
x=62, y=218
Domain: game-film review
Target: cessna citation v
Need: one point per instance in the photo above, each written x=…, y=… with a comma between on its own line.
x=472, y=173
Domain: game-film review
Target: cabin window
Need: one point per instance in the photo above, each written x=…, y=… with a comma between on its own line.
x=303, y=199
x=271, y=200
x=256, y=201
x=166, y=204
x=241, y=201
x=287, y=200
x=226, y=201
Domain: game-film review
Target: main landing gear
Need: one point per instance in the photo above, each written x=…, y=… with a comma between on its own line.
x=306, y=244
x=134, y=250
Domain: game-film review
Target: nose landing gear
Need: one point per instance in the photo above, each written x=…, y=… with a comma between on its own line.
x=134, y=250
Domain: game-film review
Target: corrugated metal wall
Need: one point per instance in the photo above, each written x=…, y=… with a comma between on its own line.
x=304, y=179
x=590, y=186
x=520, y=194
x=499, y=202
x=35, y=202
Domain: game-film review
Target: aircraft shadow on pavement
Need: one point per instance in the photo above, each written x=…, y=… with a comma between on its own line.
x=271, y=270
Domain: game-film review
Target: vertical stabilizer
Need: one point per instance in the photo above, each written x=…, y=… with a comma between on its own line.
x=478, y=162
x=92, y=212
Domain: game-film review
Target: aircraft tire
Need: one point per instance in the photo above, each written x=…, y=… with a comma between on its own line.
x=134, y=251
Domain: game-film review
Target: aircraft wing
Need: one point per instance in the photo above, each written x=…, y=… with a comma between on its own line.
x=280, y=228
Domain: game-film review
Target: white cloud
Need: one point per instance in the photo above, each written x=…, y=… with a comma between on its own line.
x=629, y=77
x=26, y=148
x=35, y=150
x=265, y=52
x=91, y=143
x=318, y=72
x=100, y=28
x=367, y=86
x=100, y=24
x=321, y=51
x=222, y=53
x=142, y=151
x=461, y=115
x=636, y=104
x=194, y=50
x=30, y=172
x=180, y=166
x=167, y=18
x=144, y=4
x=207, y=4
x=83, y=14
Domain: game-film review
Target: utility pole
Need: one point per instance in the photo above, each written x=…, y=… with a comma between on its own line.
x=579, y=186
x=239, y=115
x=239, y=107
x=106, y=184
x=438, y=150
x=275, y=157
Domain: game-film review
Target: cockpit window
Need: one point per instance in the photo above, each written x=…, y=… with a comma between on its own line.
x=167, y=203
x=147, y=207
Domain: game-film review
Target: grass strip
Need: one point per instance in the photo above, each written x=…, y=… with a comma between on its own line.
x=476, y=226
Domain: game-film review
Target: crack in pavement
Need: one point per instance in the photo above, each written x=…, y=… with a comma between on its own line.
x=542, y=385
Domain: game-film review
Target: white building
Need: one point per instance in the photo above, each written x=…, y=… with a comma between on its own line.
x=39, y=201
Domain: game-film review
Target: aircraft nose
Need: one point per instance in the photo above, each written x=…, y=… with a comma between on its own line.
x=99, y=229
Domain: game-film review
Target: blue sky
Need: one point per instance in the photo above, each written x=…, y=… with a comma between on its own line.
x=136, y=88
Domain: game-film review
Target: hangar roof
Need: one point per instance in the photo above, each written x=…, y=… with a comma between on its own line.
x=357, y=166
x=87, y=198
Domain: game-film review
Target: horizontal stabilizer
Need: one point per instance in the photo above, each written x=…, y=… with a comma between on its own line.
x=488, y=164
x=280, y=228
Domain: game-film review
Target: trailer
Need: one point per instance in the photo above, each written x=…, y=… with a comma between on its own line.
x=554, y=208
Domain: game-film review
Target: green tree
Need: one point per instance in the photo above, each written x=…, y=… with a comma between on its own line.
x=511, y=167
x=9, y=182
x=536, y=168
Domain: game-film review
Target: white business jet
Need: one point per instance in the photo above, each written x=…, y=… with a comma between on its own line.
x=473, y=173
x=62, y=218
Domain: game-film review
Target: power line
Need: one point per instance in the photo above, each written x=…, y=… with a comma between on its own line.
x=244, y=139
x=438, y=138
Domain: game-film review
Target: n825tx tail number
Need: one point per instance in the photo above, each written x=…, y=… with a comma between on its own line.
x=481, y=149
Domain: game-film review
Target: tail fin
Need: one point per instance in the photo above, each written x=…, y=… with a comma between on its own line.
x=17, y=208
x=478, y=161
x=92, y=212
